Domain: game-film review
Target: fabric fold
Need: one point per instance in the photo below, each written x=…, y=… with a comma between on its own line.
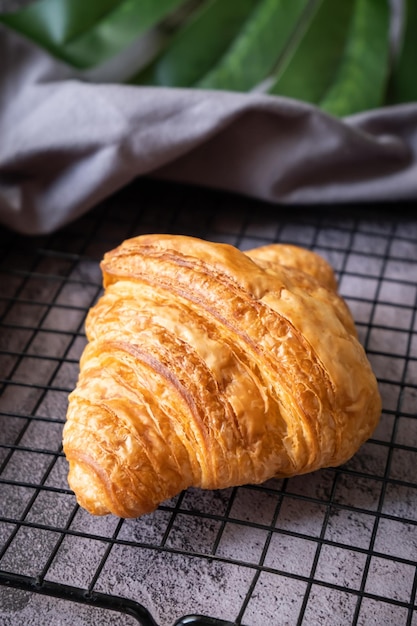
x=67, y=143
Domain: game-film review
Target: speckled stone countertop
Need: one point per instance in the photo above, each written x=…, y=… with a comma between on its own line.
x=336, y=547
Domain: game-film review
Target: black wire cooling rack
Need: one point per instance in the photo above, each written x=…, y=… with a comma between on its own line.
x=335, y=547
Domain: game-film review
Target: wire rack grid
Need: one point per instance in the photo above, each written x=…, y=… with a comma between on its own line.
x=335, y=547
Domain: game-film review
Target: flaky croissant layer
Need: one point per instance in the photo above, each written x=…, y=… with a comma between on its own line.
x=210, y=367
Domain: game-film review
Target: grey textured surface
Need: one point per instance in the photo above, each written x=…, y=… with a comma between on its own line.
x=336, y=547
x=22, y=607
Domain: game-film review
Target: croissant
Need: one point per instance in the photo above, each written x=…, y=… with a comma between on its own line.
x=210, y=367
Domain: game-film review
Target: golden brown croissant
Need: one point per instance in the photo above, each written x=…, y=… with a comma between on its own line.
x=210, y=367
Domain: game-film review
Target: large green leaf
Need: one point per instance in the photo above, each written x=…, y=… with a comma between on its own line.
x=403, y=87
x=130, y=20
x=194, y=49
x=360, y=83
x=54, y=22
x=332, y=53
x=110, y=31
x=259, y=45
x=314, y=59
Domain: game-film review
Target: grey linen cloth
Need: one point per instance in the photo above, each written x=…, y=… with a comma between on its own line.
x=67, y=143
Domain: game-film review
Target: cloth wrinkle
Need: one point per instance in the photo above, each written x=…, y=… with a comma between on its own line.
x=68, y=143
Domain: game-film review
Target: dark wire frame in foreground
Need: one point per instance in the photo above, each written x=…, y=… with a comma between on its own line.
x=318, y=538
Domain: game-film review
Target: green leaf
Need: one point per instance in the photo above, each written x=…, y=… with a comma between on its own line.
x=126, y=23
x=198, y=44
x=332, y=53
x=403, y=87
x=113, y=32
x=254, y=53
x=314, y=59
x=53, y=22
x=362, y=78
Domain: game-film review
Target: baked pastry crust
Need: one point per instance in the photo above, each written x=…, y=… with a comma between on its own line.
x=210, y=367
